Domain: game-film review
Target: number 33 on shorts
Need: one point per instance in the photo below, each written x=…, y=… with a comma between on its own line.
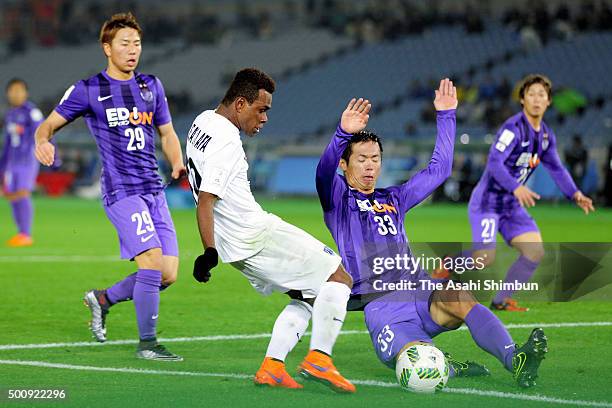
x=385, y=338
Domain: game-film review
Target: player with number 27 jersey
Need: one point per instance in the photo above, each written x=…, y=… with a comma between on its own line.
x=513, y=157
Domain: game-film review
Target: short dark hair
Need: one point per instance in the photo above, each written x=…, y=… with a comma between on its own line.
x=14, y=81
x=117, y=22
x=535, y=79
x=247, y=84
x=360, y=137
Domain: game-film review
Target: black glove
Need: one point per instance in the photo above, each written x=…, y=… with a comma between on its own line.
x=204, y=263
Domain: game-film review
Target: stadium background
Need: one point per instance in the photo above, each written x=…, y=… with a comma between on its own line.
x=321, y=53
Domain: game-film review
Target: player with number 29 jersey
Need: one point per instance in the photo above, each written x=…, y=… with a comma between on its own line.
x=121, y=116
x=124, y=110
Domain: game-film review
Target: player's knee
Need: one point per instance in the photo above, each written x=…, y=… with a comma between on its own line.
x=341, y=276
x=534, y=251
x=169, y=270
x=168, y=280
x=303, y=305
x=484, y=258
x=455, y=303
x=461, y=308
x=150, y=259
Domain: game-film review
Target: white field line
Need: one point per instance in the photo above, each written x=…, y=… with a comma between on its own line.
x=372, y=383
x=36, y=258
x=59, y=258
x=265, y=336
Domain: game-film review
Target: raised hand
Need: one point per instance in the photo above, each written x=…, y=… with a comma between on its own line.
x=525, y=196
x=446, y=96
x=355, y=116
x=584, y=202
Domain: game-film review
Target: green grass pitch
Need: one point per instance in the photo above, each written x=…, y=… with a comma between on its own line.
x=76, y=249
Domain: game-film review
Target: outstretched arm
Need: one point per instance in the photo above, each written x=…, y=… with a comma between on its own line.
x=354, y=119
x=562, y=178
x=423, y=183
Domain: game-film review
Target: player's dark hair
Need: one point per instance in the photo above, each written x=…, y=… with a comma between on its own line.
x=14, y=81
x=360, y=137
x=247, y=84
x=535, y=79
x=116, y=23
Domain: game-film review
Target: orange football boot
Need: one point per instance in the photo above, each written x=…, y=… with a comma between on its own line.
x=441, y=272
x=273, y=374
x=508, y=305
x=319, y=367
x=20, y=240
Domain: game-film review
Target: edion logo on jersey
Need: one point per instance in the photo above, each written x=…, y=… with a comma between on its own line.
x=366, y=205
x=527, y=159
x=123, y=117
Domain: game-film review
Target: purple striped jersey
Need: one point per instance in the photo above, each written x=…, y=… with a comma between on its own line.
x=122, y=116
x=367, y=227
x=513, y=157
x=20, y=123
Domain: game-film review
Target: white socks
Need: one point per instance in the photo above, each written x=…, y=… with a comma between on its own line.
x=328, y=315
x=289, y=328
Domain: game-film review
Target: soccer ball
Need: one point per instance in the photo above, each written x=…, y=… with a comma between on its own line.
x=422, y=368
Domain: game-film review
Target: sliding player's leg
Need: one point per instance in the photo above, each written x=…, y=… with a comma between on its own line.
x=394, y=324
x=450, y=308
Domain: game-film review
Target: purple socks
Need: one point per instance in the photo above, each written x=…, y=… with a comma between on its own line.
x=490, y=334
x=124, y=290
x=22, y=214
x=146, y=301
x=520, y=271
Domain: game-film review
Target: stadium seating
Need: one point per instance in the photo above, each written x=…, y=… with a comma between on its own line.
x=380, y=72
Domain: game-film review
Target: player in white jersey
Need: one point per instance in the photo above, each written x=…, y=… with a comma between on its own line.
x=272, y=254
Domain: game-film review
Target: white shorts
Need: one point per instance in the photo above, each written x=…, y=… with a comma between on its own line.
x=290, y=260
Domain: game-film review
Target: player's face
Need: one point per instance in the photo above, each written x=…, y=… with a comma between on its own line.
x=17, y=94
x=124, y=50
x=252, y=117
x=363, y=167
x=535, y=101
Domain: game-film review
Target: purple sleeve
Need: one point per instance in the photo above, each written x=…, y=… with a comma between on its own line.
x=4, y=156
x=74, y=103
x=507, y=139
x=329, y=184
x=162, y=112
x=552, y=162
x=423, y=183
x=36, y=118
